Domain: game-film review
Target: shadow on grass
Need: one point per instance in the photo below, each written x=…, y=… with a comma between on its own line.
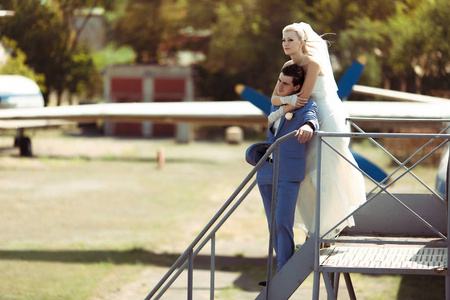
x=411, y=287
x=107, y=158
x=428, y=287
x=251, y=269
x=134, y=256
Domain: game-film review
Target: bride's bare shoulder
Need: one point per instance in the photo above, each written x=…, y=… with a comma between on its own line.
x=288, y=63
x=313, y=61
x=313, y=66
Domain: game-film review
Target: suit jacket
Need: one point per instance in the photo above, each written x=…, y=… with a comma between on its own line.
x=292, y=153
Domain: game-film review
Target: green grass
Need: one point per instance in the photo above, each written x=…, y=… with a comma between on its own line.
x=31, y=279
x=74, y=209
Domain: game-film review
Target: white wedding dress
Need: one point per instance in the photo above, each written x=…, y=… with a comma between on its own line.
x=342, y=185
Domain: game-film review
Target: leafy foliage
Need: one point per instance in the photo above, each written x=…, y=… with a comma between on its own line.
x=44, y=33
x=395, y=46
x=402, y=52
x=16, y=65
x=239, y=38
x=112, y=55
x=141, y=28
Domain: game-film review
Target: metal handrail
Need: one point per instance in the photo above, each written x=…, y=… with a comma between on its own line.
x=447, y=197
x=186, y=259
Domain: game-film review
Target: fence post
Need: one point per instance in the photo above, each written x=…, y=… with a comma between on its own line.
x=316, y=285
x=213, y=266
x=190, y=274
x=447, y=198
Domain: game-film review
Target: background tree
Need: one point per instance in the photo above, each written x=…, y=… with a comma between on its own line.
x=141, y=27
x=15, y=65
x=400, y=50
x=431, y=60
x=69, y=9
x=44, y=33
x=245, y=47
x=241, y=39
x=44, y=41
x=245, y=44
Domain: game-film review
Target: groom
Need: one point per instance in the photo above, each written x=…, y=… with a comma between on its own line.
x=292, y=161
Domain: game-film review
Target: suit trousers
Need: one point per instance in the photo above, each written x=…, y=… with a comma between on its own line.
x=284, y=218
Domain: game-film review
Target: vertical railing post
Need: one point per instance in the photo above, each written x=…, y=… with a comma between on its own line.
x=213, y=266
x=316, y=285
x=190, y=274
x=447, y=198
x=276, y=160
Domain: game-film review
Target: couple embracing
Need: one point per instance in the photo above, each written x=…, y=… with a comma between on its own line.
x=305, y=99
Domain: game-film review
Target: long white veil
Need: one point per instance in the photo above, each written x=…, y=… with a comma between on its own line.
x=317, y=47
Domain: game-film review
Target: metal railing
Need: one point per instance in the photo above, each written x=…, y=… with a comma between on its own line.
x=209, y=231
x=320, y=238
x=400, y=164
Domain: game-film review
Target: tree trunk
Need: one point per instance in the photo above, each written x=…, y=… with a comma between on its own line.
x=58, y=98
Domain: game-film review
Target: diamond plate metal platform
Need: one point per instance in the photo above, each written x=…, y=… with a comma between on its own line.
x=384, y=259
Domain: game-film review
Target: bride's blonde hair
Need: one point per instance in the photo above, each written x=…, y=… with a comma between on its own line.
x=314, y=46
x=301, y=34
x=310, y=46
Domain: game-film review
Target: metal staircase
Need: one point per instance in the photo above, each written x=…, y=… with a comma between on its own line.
x=385, y=241
x=394, y=233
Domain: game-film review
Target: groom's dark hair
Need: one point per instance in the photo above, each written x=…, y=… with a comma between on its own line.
x=296, y=72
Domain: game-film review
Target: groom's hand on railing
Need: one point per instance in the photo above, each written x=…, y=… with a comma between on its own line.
x=304, y=133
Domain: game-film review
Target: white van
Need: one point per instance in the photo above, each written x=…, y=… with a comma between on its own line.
x=19, y=92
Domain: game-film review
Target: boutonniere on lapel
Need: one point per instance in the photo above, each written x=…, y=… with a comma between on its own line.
x=289, y=116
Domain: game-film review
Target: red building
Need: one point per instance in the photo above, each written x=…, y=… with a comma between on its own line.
x=148, y=84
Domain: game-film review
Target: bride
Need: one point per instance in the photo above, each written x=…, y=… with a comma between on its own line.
x=342, y=186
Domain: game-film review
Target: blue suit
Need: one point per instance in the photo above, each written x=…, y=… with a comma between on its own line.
x=291, y=173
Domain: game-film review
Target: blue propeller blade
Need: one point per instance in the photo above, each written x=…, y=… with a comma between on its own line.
x=350, y=78
x=345, y=86
x=257, y=99
x=369, y=167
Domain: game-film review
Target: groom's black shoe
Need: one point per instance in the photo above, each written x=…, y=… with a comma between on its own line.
x=262, y=283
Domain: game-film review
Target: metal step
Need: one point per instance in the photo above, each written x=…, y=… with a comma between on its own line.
x=384, y=259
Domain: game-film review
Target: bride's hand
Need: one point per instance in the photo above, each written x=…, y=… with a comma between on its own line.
x=300, y=100
x=287, y=108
